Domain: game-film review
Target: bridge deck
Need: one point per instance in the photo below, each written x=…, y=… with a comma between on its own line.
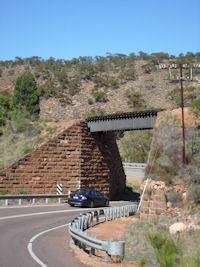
x=123, y=121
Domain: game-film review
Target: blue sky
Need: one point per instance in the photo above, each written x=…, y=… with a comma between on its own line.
x=73, y=28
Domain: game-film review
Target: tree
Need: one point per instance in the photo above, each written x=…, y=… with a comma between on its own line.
x=5, y=107
x=26, y=93
x=135, y=146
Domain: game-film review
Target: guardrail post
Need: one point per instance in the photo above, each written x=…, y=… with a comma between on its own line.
x=33, y=201
x=46, y=200
x=6, y=202
x=97, y=217
x=92, y=252
x=20, y=201
x=116, y=249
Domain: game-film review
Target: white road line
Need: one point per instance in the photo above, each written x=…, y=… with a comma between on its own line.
x=31, y=206
x=30, y=244
x=40, y=213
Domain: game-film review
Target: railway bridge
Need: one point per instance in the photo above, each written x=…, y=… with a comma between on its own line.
x=83, y=155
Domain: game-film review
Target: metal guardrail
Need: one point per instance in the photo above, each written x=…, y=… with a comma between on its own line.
x=86, y=220
x=31, y=198
x=134, y=169
x=134, y=165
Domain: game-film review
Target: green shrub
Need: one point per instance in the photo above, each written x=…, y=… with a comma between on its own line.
x=194, y=262
x=101, y=81
x=73, y=87
x=5, y=108
x=190, y=93
x=165, y=249
x=20, y=120
x=99, y=95
x=195, y=106
x=48, y=89
x=194, y=193
x=113, y=83
x=135, y=146
x=138, y=248
x=195, y=178
x=148, y=243
x=148, y=68
x=90, y=101
x=135, y=99
x=128, y=74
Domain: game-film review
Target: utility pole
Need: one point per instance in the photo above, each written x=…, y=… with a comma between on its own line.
x=181, y=78
x=182, y=112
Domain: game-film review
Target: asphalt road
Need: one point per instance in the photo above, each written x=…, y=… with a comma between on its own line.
x=18, y=225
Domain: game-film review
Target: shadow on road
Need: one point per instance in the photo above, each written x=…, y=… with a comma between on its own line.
x=128, y=195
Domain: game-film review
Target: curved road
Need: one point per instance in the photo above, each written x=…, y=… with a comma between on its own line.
x=18, y=225
x=52, y=248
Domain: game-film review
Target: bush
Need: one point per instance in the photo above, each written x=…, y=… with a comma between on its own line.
x=90, y=101
x=5, y=108
x=165, y=249
x=174, y=197
x=148, y=68
x=138, y=248
x=196, y=176
x=101, y=81
x=193, y=145
x=20, y=121
x=195, y=106
x=165, y=158
x=128, y=74
x=195, y=262
x=149, y=242
x=73, y=87
x=135, y=146
x=194, y=193
x=99, y=95
x=135, y=99
x=190, y=93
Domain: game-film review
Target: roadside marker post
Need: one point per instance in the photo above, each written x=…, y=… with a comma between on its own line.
x=59, y=189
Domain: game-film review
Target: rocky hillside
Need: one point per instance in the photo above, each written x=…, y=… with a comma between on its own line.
x=80, y=87
x=77, y=88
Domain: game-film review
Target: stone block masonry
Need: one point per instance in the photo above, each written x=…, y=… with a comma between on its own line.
x=74, y=157
x=153, y=202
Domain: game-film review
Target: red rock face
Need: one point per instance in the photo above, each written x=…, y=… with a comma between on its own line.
x=73, y=157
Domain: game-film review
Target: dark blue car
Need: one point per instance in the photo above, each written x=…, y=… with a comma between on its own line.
x=88, y=198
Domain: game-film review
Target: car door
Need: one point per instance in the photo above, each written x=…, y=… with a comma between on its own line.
x=100, y=199
x=95, y=198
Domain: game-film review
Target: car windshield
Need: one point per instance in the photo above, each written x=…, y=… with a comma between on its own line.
x=82, y=191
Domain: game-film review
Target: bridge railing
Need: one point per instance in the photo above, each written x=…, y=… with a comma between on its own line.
x=135, y=169
x=17, y=199
x=134, y=165
x=115, y=249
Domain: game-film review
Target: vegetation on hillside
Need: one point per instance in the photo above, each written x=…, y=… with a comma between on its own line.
x=166, y=153
x=57, y=76
x=26, y=94
x=36, y=79
x=149, y=243
x=135, y=146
